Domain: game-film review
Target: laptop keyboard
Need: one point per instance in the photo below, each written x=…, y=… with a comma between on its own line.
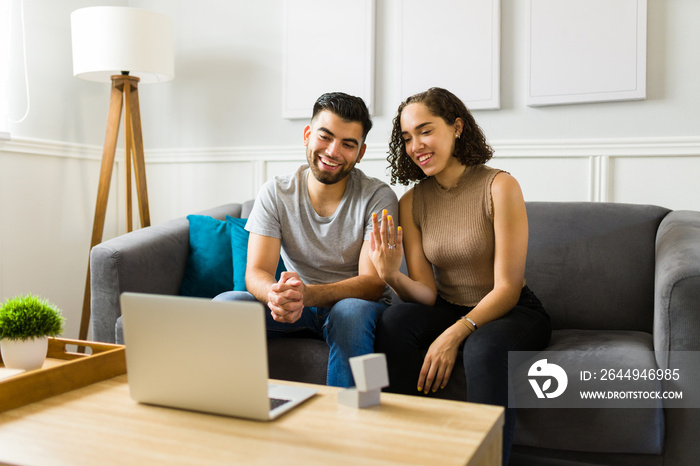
x=277, y=402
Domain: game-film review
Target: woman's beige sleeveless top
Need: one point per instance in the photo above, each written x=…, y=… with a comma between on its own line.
x=458, y=237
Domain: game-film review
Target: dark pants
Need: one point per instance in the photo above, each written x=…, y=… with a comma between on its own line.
x=406, y=330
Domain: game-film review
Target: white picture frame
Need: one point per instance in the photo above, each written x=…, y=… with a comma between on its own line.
x=582, y=51
x=325, y=53
x=453, y=44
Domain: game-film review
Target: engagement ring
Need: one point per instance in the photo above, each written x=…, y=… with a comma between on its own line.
x=390, y=246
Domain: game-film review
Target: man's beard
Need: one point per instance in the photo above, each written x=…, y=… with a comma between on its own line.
x=324, y=176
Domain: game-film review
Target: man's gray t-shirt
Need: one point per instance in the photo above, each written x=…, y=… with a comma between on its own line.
x=320, y=249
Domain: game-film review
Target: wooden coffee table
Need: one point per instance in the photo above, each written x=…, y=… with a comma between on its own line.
x=101, y=424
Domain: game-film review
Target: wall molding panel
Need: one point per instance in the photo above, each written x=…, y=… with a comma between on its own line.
x=43, y=147
x=621, y=147
x=585, y=51
x=344, y=62
x=629, y=147
x=590, y=170
x=462, y=53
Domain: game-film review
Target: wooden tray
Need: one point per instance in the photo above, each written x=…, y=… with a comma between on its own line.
x=63, y=371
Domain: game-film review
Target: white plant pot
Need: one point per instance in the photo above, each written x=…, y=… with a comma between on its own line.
x=24, y=354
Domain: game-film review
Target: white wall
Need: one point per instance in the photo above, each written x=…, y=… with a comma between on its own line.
x=215, y=132
x=227, y=90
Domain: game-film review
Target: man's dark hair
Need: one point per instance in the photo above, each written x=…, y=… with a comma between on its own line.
x=347, y=107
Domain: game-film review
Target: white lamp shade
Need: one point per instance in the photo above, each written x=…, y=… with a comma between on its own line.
x=108, y=40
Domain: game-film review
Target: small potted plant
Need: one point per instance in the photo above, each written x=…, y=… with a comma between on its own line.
x=26, y=322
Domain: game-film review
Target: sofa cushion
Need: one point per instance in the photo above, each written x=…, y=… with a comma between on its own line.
x=592, y=264
x=239, y=252
x=208, y=271
x=298, y=358
x=611, y=430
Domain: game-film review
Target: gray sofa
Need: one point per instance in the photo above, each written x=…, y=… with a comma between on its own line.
x=614, y=278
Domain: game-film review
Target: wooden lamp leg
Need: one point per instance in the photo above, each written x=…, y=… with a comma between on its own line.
x=139, y=159
x=124, y=93
x=127, y=154
x=108, y=153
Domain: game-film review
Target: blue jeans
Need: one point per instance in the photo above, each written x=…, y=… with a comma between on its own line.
x=348, y=327
x=406, y=330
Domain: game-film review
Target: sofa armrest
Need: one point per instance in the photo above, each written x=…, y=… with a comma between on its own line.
x=676, y=323
x=677, y=283
x=149, y=260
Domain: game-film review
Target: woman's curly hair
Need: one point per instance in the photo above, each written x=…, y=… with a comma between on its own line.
x=470, y=149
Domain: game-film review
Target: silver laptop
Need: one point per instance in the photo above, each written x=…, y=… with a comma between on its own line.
x=196, y=354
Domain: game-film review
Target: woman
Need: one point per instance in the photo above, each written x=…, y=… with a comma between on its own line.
x=464, y=233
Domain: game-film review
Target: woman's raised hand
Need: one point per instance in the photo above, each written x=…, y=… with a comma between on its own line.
x=386, y=246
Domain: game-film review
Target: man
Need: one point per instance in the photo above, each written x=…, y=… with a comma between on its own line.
x=320, y=218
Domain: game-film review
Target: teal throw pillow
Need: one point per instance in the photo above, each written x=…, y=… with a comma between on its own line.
x=239, y=252
x=209, y=270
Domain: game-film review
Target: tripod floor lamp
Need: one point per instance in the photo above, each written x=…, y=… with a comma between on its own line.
x=123, y=46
